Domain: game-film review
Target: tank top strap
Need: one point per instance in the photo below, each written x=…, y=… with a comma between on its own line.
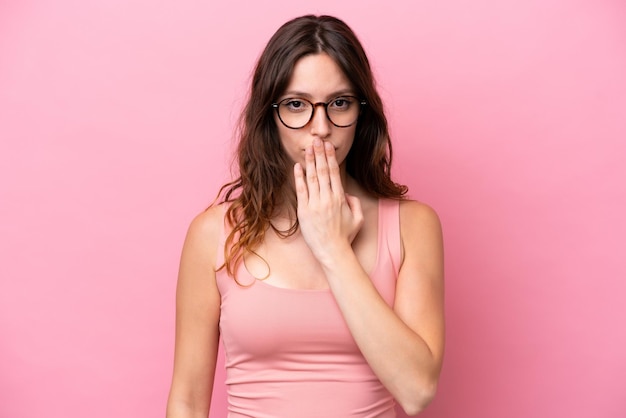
x=389, y=222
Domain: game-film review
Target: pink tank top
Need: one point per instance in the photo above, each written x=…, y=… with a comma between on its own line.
x=289, y=353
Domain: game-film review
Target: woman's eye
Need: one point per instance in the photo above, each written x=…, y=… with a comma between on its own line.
x=341, y=103
x=295, y=105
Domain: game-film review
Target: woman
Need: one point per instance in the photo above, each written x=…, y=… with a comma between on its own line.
x=323, y=281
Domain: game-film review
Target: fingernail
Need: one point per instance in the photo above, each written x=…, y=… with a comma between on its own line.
x=317, y=142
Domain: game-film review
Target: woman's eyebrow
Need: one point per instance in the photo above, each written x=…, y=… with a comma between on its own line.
x=296, y=93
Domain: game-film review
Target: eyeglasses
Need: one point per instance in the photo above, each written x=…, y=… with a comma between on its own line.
x=342, y=111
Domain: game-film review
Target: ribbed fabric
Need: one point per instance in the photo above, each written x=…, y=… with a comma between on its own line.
x=290, y=354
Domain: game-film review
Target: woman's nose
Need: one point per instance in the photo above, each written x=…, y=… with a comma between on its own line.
x=320, y=125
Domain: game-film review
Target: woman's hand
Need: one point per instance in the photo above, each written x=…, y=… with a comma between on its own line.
x=329, y=218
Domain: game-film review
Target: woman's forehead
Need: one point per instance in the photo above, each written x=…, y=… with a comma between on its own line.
x=318, y=76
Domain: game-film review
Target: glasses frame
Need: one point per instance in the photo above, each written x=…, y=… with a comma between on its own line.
x=315, y=105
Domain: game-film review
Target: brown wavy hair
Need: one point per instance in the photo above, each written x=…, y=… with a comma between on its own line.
x=261, y=186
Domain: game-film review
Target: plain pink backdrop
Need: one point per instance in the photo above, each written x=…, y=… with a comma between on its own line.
x=509, y=117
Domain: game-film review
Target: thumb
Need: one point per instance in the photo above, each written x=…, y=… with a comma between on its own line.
x=354, y=203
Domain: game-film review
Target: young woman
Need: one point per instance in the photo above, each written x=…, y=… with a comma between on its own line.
x=324, y=283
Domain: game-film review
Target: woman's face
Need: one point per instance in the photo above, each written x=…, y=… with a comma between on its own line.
x=317, y=78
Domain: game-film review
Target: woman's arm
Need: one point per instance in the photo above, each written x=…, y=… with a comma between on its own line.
x=404, y=344
x=197, y=317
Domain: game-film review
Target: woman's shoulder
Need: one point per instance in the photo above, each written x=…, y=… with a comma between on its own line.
x=200, y=250
x=416, y=214
x=421, y=236
x=207, y=225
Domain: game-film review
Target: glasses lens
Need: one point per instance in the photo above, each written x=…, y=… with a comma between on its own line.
x=295, y=113
x=343, y=111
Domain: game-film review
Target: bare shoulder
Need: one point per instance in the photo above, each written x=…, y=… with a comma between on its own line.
x=414, y=214
x=420, y=228
x=203, y=236
x=208, y=222
x=197, y=288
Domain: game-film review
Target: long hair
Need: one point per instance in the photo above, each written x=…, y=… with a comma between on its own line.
x=263, y=166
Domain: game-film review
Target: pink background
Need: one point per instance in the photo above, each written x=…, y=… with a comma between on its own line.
x=509, y=117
